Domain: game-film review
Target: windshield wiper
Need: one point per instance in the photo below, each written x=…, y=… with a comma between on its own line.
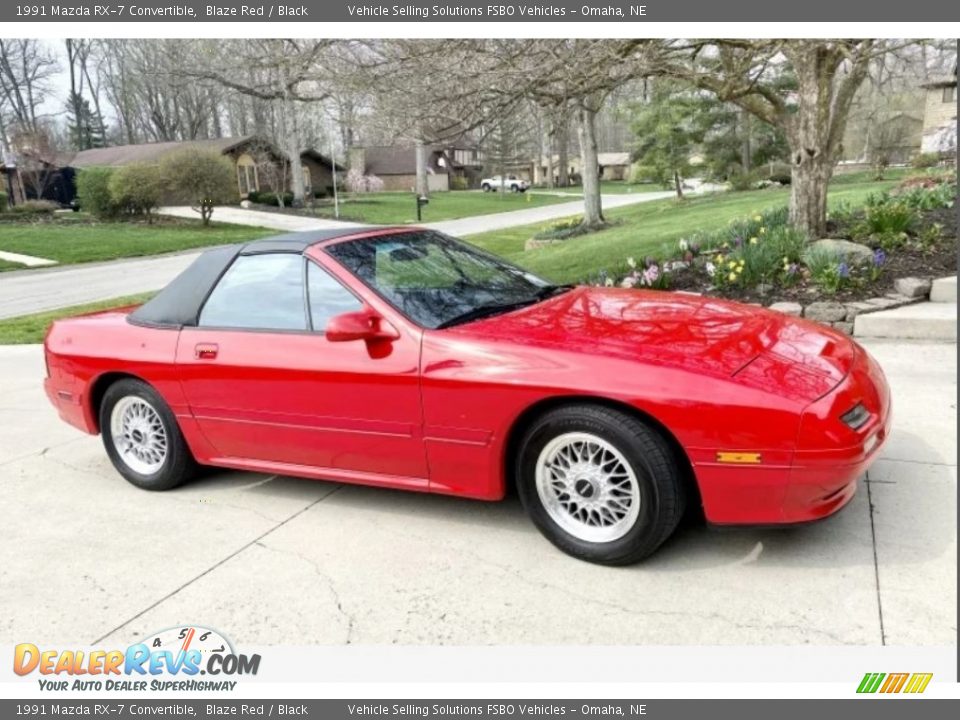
x=548, y=290
x=486, y=311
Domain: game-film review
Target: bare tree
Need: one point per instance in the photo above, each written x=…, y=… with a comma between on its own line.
x=26, y=69
x=805, y=87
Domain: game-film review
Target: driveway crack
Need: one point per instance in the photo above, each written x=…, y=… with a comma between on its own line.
x=876, y=562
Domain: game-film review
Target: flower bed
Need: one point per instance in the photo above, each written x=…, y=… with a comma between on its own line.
x=908, y=233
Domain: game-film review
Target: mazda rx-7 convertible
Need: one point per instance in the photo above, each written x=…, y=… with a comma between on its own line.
x=403, y=358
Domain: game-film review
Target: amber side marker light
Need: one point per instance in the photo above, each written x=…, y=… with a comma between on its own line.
x=739, y=458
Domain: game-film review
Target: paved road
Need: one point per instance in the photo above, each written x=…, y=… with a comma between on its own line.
x=274, y=560
x=31, y=291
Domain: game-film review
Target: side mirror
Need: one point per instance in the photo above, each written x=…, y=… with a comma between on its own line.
x=361, y=325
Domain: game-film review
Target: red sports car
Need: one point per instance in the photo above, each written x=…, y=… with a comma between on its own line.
x=403, y=358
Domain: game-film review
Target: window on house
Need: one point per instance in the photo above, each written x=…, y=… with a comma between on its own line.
x=950, y=94
x=247, y=179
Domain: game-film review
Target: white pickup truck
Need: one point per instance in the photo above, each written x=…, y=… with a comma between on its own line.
x=510, y=182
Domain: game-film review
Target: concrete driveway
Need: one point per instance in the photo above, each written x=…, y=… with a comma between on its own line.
x=275, y=560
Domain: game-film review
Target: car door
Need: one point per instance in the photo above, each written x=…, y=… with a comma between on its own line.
x=264, y=383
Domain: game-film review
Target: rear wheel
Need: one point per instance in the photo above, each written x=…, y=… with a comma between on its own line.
x=486, y=187
x=600, y=484
x=142, y=438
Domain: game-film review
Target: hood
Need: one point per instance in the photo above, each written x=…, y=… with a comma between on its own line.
x=760, y=348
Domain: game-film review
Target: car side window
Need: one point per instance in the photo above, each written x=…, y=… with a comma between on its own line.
x=327, y=297
x=259, y=292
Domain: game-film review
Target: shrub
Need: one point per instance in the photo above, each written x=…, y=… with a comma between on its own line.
x=640, y=174
x=933, y=197
x=34, y=208
x=458, y=182
x=136, y=189
x=890, y=217
x=3, y=202
x=269, y=197
x=926, y=160
x=201, y=179
x=93, y=192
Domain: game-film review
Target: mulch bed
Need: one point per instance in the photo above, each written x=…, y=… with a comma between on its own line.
x=911, y=260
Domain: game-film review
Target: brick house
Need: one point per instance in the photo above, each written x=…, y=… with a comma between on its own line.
x=258, y=164
x=940, y=117
x=397, y=165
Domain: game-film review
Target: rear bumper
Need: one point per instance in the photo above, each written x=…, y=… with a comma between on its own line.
x=69, y=406
x=821, y=478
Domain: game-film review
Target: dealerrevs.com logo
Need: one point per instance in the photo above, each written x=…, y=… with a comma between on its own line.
x=172, y=659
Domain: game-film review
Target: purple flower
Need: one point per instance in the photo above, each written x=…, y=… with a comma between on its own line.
x=879, y=257
x=738, y=241
x=844, y=270
x=792, y=270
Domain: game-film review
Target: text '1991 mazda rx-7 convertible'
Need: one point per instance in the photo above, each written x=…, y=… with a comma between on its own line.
x=402, y=358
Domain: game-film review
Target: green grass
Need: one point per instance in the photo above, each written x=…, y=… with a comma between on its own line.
x=5, y=265
x=71, y=241
x=645, y=229
x=395, y=208
x=32, y=328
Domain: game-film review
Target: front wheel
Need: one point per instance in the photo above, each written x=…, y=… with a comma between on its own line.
x=600, y=484
x=485, y=187
x=141, y=437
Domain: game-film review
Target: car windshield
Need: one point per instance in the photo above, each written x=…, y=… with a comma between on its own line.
x=437, y=281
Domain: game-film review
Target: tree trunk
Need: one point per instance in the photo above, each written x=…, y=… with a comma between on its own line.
x=423, y=186
x=562, y=137
x=808, y=191
x=678, y=185
x=745, y=151
x=590, y=170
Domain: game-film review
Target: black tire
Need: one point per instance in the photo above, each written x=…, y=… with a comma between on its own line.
x=177, y=465
x=514, y=188
x=485, y=187
x=654, y=464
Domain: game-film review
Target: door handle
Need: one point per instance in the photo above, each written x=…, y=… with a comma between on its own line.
x=206, y=351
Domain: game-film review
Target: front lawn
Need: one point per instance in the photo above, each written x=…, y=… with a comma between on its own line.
x=78, y=238
x=28, y=329
x=399, y=208
x=646, y=229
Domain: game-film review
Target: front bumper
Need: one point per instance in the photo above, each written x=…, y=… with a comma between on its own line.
x=821, y=476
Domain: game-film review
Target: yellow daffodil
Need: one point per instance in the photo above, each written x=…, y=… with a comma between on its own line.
x=758, y=218
x=732, y=277
x=719, y=258
x=731, y=264
x=725, y=245
x=753, y=241
x=763, y=231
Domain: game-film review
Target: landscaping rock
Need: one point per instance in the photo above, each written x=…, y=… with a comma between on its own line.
x=844, y=327
x=855, y=308
x=913, y=287
x=842, y=248
x=764, y=289
x=246, y=204
x=788, y=308
x=882, y=303
x=825, y=312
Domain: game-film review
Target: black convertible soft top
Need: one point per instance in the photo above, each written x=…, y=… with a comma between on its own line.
x=179, y=303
